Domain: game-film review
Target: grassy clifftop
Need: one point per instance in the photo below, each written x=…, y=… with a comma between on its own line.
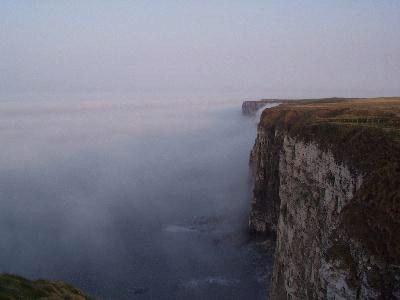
x=369, y=127
x=375, y=112
x=15, y=287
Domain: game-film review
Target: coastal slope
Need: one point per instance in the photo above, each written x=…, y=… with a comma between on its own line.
x=14, y=287
x=327, y=186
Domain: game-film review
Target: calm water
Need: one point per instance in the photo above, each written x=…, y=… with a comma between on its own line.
x=130, y=200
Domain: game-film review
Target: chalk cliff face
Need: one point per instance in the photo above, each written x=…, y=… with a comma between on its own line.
x=328, y=188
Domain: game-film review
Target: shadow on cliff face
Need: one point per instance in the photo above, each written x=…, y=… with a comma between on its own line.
x=127, y=200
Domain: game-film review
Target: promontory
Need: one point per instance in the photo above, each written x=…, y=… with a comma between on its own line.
x=326, y=186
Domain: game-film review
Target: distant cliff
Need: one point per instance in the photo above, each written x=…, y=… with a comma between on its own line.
x=251, y=107
x=327, y=185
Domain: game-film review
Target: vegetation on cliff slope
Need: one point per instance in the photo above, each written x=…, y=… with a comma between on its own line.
x=16, y=287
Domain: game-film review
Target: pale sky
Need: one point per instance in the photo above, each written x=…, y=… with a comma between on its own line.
x=327, y=48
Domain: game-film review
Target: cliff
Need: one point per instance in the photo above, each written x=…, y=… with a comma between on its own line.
x=15, y=287
x=251, y=107
x=327, y=185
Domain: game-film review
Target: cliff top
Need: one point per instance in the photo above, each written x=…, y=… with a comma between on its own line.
x=383, y=113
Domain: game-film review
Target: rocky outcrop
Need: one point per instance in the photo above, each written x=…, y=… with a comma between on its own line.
x=328, y=188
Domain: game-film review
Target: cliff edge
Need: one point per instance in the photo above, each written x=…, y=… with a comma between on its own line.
x=327, y=185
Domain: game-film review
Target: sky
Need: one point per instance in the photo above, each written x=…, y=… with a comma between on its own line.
x=245, y=48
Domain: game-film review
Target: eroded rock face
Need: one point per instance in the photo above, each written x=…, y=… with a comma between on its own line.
x=313, y=190
x=336, y=225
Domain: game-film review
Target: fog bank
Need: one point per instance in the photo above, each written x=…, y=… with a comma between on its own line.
x=125, y=199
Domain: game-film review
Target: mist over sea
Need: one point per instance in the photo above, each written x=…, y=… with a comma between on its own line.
x=127, y=198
